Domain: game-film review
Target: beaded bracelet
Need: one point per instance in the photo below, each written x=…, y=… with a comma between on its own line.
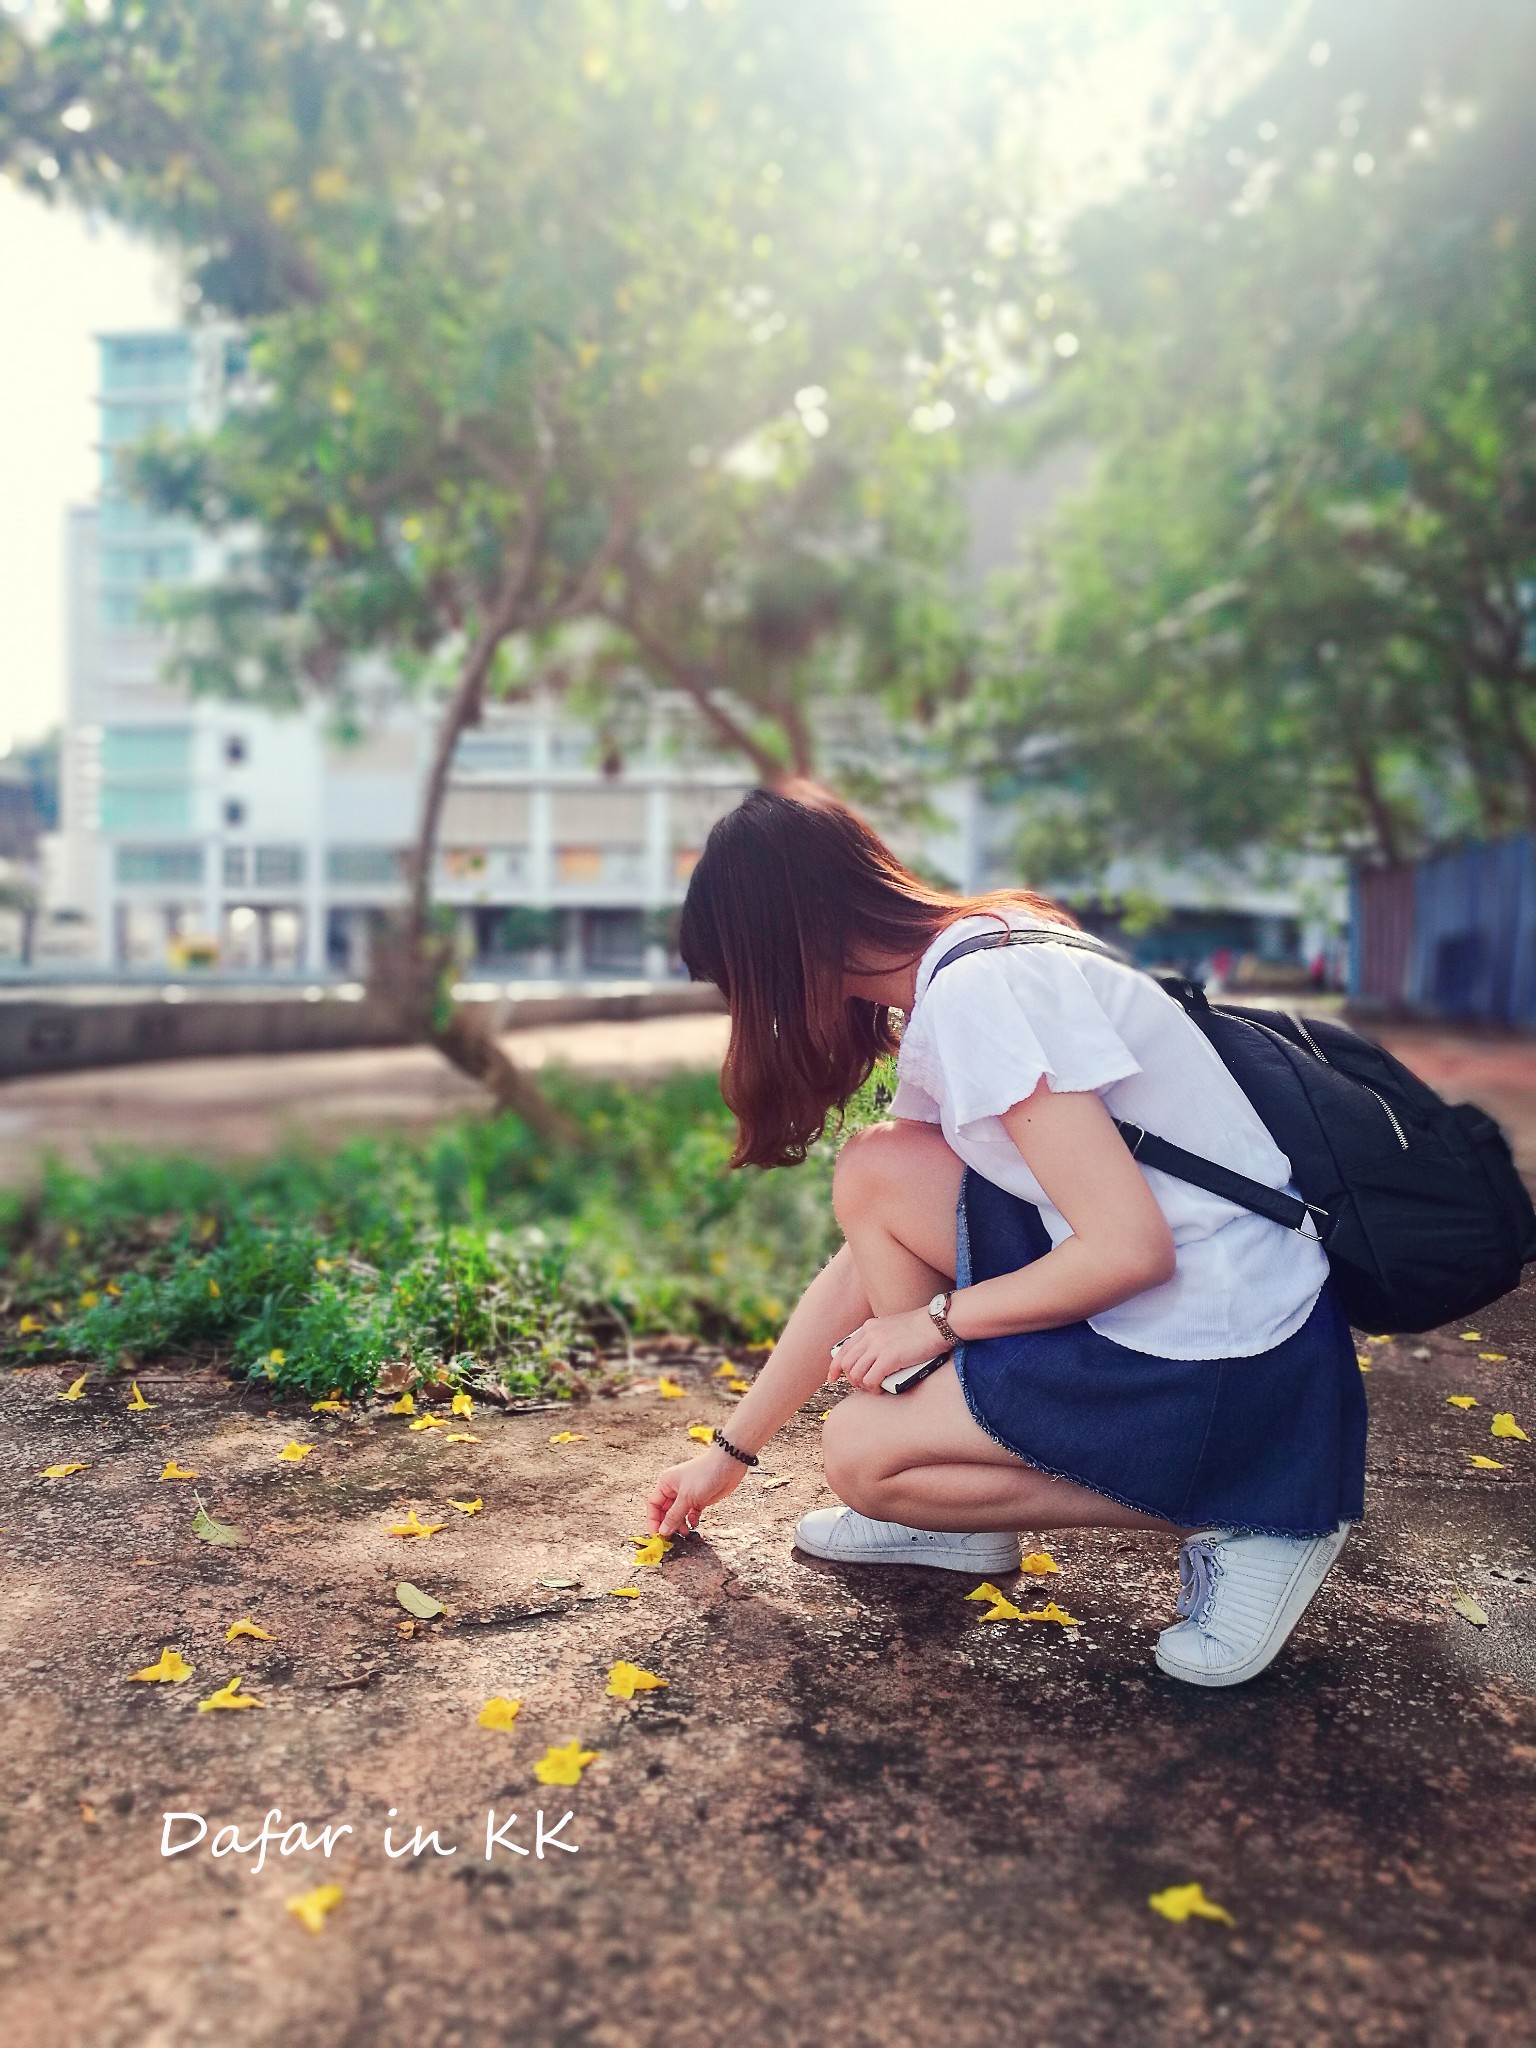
x=741, y=1457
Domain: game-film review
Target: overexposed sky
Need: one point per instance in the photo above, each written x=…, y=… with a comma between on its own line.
x=62, y=280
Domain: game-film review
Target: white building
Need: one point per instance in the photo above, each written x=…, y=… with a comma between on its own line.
x=202, y=832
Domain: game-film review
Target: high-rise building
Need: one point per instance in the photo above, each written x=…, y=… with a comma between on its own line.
x=216, y=834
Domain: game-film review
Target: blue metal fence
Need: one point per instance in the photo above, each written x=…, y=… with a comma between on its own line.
x=1454, y=936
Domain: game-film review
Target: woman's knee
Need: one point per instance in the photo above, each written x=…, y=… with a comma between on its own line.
x=877, y=1163
x=851, y=1460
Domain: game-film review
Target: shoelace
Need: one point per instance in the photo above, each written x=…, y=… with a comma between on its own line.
x=1199, y=1569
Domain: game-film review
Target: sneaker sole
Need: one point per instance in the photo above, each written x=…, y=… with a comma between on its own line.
x=930, y=1559
x=1298, y=1597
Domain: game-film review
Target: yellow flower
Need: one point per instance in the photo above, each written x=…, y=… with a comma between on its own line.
x=701, y=1433
x=1362, y=1361
x=175, y=1471
x=726, y=1371
x=213, y=1294
x=277, y=1358
x=412, y=1527
x=1185, y=1901
x=986, y=1591
x=1506, y=1425
x=1462, y=1400
x=171, y=1669
x=459, y=1436
x=1039, y=1564
x=625, y=1592
x=429, y=1422
x=461, y=1404
x=1003, y=1610
x=1050, y=1612
x=467, y=1507
x=406, y=1405
x=625, y=1680
x=90, y=1298
x=650, y=1549
x=567, y=1436
x=229, y=1696
x=30, y=1325
x=114, y=1290
x=498, y=1713
x=76, y=1391
x=246, y=1628
x=294, y=1454
x=330, y=1406
x=1483, y=1464
x=669, y=1390
x=1471, y=1336
x=565, y=1764
x=138, y=1401
x=1494, y=1357
x=312, y=1907
x=738, y=1386
x=61, y=1471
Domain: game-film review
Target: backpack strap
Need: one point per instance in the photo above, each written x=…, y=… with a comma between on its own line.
x=1146, y=1147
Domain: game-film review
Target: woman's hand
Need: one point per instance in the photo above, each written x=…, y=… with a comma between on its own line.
x=683, y=1491
x=884, y=1345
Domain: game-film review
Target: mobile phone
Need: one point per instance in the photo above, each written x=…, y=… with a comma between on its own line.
x=898, y=1382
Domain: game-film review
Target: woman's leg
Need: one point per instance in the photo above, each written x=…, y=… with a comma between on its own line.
x=922, y=1458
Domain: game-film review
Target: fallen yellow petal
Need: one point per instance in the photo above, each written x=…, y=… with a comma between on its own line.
x=429, y=1422
x=1362, y=1361
x=467, y=1507
x=1378, y=1340
x=669, y=1390
x=273, y=1357
x=213, y=1290
x=461, y=1404
x=114, y=1290
x=1186, y=1901
x=1039, y=1564
x=701, y=1433
x=229, y=1696
x=61, y=1471
x=650, y=1549
x=1471, y=1336
x=625, y=1680
x=175, y=1471
x=726, y=1371
x=987, y=1591
x=1470, y=1609
x=738, y=1386
x=294, y=1454
x=1494, y=1357
x=1486, y=1464
x=1506, y=1425
x=412, y=1527
x=1051, y=1612
x=624, y=1592
x=567, y=1436
x=1462, y=1400
x=247, y=1628
x=171, y=1669
x=406, y=1405
x=330, y=1406
x=90, y=1299
x=30, y=1325
x=563, y=1765
x=138, y=1401
x=1003, y=1609
x=312, y=1907
x=459, y=1436
x=498, y=1713
x=75, y=1391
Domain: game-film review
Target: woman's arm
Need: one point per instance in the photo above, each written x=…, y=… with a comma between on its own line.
x=830, y=1307
x=1120, y=1242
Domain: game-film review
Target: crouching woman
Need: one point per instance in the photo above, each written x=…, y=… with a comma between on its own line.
x=1119, y=1349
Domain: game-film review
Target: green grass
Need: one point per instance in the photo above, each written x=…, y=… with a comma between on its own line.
x=474, y=1253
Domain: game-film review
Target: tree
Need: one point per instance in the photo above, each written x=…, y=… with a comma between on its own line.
x=559, y=311
x=1296, y=607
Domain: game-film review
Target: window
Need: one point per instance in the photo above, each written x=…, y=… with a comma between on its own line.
x=369, y=867
x=145, y=362
x=162, y=564
x=142, y=751
x=485, y=752
x=179, y=865
x=119, y=608
x=464, y=863
x=279, y=867
x=234, y=812
x=146, y=807
x=234, y=749
x=236, y=867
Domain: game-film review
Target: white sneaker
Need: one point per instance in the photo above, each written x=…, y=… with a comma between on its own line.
x=848, y=1538
x=1242, y=1595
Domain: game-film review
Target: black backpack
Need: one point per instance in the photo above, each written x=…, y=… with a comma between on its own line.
x=1416, y=1201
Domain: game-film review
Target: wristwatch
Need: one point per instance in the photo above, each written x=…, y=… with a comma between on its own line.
x=938, y=1308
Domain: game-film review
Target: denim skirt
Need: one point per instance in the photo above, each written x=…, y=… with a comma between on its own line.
x=1274, y=1442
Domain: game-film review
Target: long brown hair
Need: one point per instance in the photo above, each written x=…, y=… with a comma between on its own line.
x=791, y=892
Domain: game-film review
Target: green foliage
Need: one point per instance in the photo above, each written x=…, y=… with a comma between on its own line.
x=473, y=1252
x=1296, y=605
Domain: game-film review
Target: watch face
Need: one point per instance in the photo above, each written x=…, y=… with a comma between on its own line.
x=936, y=1306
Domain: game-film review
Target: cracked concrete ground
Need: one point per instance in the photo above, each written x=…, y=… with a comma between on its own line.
x=856, y=1815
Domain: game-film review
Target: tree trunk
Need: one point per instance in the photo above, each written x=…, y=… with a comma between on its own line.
x=476, y=1053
